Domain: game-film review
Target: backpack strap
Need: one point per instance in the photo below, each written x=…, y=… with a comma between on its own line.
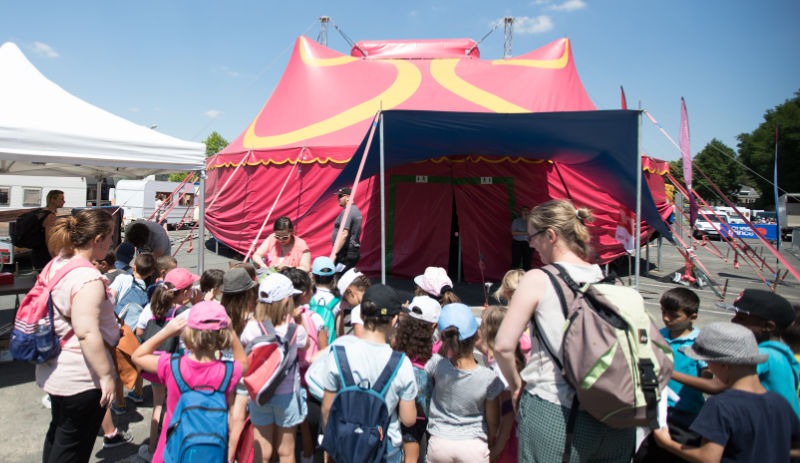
x=175, y=365
x=345, y=373
x=330, y=305
x=383, y=382
x=227, y=379
x=52, y=282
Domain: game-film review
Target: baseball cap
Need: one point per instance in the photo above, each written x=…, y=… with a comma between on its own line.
x=725, y=342
x=764, y=304
x=275, y=287
x=181, y=278
x=344, y=191
x=425, y=308
x=347, y=279
x=207, y=316
x=433, y=280
x=237, y=280
x=460, y=316
x=323, y=266
x=387, y=301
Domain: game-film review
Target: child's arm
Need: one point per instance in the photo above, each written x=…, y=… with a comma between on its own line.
x=322, y=338
x=708, y=452
x=506, y=424
x=327, y=401
x=706, y=385
x=492, y=413
x=238, y=352
x=143, y=355
x=408, y=412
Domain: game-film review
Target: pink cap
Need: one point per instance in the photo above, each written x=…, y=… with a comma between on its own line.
x=433, y=280
x=207, y=316
x=181, y=278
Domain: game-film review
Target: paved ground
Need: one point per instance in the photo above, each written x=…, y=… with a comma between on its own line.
x=25, y=420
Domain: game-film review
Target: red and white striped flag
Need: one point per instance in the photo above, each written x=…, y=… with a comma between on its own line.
x=687, y=162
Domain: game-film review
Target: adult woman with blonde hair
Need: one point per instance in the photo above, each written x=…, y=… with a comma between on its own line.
x=557, y=231
x=80, y=380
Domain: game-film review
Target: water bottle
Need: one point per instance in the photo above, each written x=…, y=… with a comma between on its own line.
x=44, y=338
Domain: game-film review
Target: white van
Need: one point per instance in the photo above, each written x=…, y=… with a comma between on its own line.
x=138, y=199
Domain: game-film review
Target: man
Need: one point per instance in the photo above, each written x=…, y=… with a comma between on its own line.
x=149, y=237
x=40, y=255
x=347, y=249
x=520, y=248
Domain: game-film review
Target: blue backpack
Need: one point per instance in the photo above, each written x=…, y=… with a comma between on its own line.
x=131, y=304
x=358, y=421
x=198, y=430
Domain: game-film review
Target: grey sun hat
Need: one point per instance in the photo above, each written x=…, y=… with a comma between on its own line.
x=237, y=280
x=725, y=342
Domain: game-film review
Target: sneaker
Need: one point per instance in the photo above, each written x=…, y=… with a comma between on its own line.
x=118, y=439
x=118, y=410
x=46, y=401
x=135, y=398
x=144, y=453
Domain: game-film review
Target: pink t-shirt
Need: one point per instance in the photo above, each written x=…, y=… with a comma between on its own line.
x=69, y=374
x=271, y=250
x=195, y=374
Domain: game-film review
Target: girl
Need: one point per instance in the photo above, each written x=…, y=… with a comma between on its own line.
x=504, y=294
x=207, y=332
x=211, y=284
x=414, y=337
x=435, y=283
x=352, y=286
x=276, y=421
x=465, y=405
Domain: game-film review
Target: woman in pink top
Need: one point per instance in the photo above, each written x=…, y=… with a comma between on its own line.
x=283, y=249
x=80, y=381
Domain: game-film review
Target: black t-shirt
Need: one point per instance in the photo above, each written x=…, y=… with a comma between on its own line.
x=752, y=427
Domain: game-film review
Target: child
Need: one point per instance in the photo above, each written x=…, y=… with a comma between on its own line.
x=791, y=335
x=164, y=265
x=106, y=264
x=325, y=301
x=508, y=286
x=767, y=314
x=465, y=406
x=276, y=421
x=505, y=447
x=435, y=283
x=414, y=338
x=367, y=357
x=745, y=422
x=211, y=284
x=352, y=286
x=207, y=332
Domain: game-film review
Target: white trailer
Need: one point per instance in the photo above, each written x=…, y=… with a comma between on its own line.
x=24, y=191
x=138, y=199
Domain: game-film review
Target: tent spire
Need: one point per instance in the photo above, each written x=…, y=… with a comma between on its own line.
x=322, y=38
x=508, y=27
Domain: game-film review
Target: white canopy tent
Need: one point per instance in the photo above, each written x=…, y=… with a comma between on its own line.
x=45, y=130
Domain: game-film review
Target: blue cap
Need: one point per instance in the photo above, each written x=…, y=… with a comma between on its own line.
x=124, y=253
x=460, y=316
x=323, y=266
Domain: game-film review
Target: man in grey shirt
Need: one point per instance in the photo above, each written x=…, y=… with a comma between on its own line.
x=347, y=249
x=520, y=247
x=149, y=237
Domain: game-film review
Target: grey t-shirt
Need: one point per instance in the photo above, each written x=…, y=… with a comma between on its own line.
x=158, y=243
x=352, y=225
x=458, y=400
x=519, y=225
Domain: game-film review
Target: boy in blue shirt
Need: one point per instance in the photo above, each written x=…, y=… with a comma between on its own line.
x=746, y=422
x=767, y=314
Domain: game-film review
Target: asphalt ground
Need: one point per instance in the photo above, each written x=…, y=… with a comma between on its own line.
x=24, y=420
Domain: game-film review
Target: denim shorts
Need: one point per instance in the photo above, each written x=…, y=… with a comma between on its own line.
x=284, y=410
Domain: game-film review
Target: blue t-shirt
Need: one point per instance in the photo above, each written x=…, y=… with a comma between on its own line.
x=691, y=400
x=751, y=427
x=781, y=372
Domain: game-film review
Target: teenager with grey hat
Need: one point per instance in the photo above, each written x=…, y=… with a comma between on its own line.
x=767, y=314
x=746, y=422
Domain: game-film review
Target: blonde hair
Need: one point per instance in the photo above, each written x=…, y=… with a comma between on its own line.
x=567, y=222
x=491, y=320
x=77, y=231
x=276, y=312
x=204, y=340
x=509, y=285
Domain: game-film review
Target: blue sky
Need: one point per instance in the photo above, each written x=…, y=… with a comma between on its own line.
x=193, y=67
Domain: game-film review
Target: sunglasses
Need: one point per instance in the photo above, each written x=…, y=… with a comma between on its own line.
x=283, y=237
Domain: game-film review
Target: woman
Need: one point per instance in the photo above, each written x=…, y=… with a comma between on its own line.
x=80, y=381
x=283, y=249
x=557, y=231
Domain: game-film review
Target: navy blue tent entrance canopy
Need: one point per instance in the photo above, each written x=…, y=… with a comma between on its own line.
x=603, y=145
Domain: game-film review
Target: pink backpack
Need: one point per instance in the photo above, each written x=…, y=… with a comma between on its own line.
x=312, y=346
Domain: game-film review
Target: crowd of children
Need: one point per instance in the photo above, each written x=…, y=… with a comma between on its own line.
x=733, y=394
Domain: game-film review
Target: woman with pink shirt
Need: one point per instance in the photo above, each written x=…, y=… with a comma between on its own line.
x=283, y=248
x=80, y=380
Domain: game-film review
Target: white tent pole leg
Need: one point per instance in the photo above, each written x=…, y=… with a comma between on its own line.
x=383, y=205
x=201, y=225
x=638, y=201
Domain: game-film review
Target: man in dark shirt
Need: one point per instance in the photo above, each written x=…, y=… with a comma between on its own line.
x=347, y=249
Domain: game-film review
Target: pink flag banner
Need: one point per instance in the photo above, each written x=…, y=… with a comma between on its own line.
x=687, y=162
x=623, y=100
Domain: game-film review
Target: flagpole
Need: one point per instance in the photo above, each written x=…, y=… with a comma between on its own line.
x=638, y=200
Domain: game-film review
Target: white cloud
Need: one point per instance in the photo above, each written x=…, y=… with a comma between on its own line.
x=532, y=25
x=213, y=113
x=44, y=49
x=568, y=5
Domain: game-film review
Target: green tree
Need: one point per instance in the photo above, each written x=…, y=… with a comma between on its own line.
x=718, y=162
x=757, y=149
x=214, y=144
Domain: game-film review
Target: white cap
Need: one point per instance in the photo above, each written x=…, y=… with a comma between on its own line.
x=425, y=308
x=347, y=279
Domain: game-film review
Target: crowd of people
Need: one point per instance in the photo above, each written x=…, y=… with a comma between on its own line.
x=466, y=388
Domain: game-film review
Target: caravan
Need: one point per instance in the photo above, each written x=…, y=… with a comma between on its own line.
x=138, y=200
x=26, y=191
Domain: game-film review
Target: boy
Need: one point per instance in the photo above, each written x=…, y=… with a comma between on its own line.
x=745, y=422
x=367, y=357
x=767, y=314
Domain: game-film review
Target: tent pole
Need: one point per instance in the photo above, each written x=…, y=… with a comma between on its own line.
x=201, y=224
x=383, y=204
x=638, y=201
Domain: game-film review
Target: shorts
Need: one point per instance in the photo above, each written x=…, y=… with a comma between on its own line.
x=415, y=433
x=284, y=410
x=461, y=450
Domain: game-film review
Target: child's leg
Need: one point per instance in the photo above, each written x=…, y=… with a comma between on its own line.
x=307, y=439
x=263, y=445
x=137, y=386
x=159, y=395
x=108, y=424
x=285, y=443
x=119, y=394
x=410, y=452
x=236, y=418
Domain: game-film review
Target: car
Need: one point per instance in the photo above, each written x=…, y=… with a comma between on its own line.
x=710, y=226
